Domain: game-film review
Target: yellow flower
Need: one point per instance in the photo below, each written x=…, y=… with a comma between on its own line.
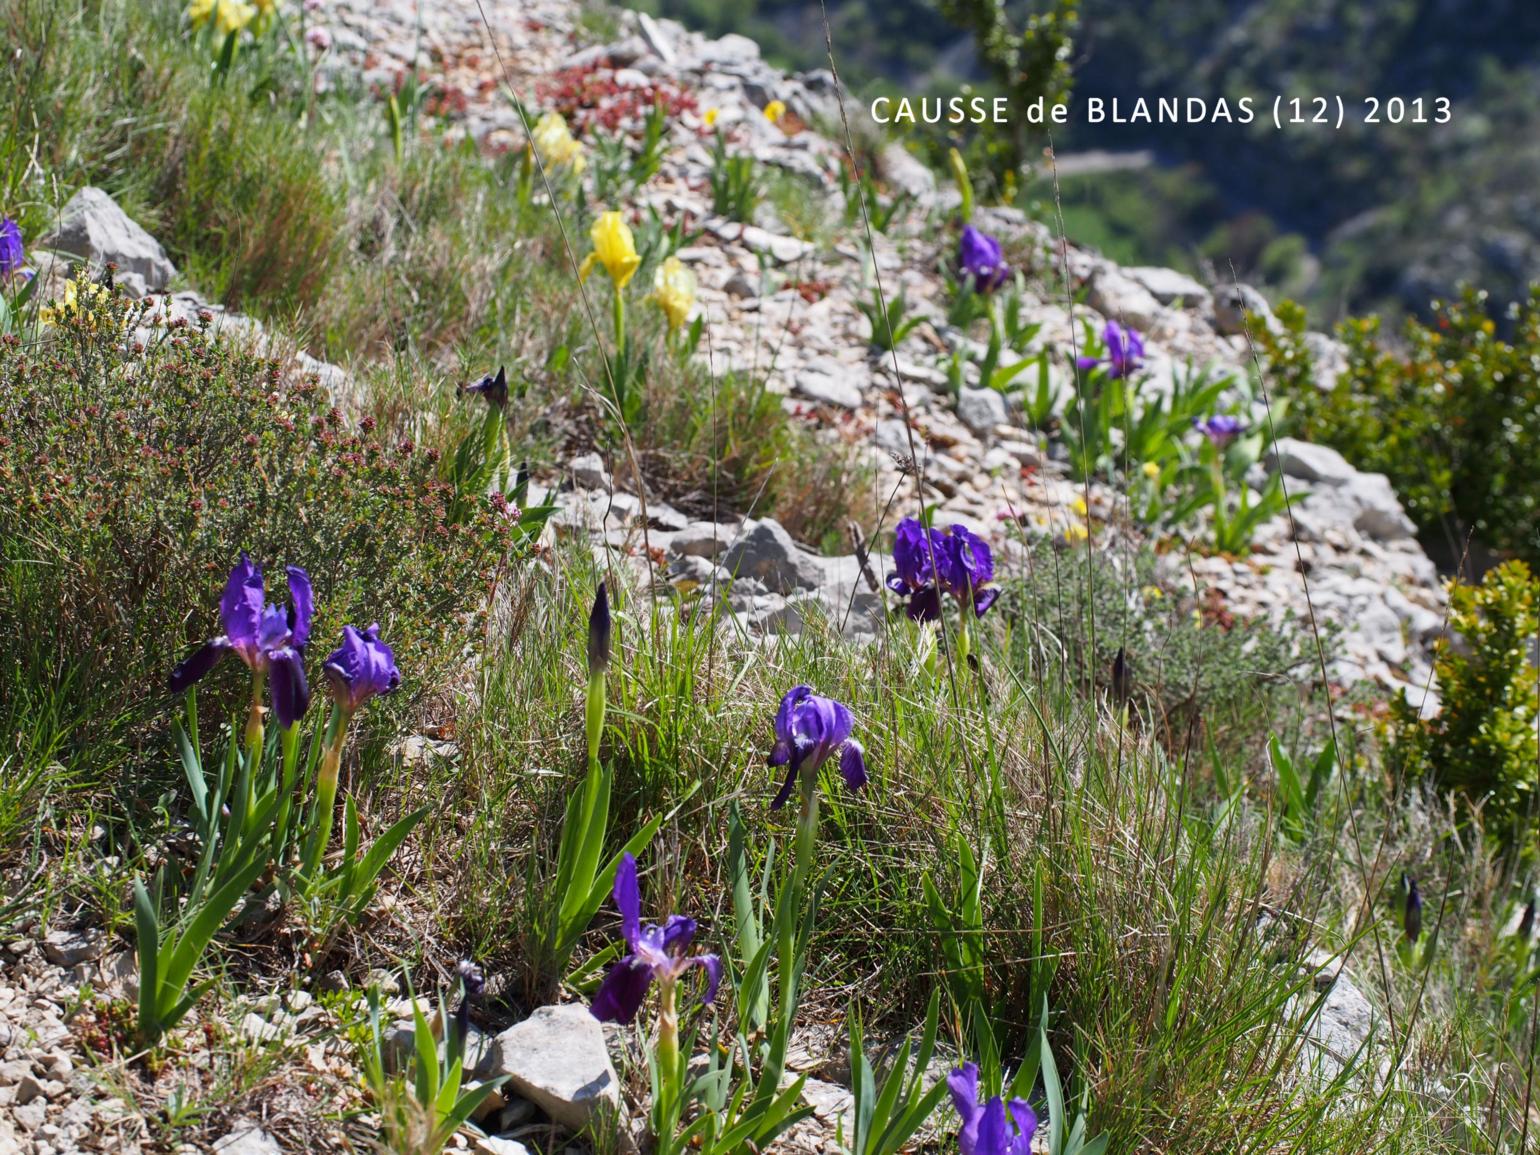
x=556, y=143
x=1151, y=470
x=775, y=110
x=710, y=119
x=1075, y=532
x=614, y=248
x=1078, y=507
x=229, y=15
x=81, y=304
x=673, y=287
x=267, y=7
x=1153, y=593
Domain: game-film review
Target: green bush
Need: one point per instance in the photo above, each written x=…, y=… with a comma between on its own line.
x=131, y=479
x=1201, y=678
x=1452, y=417
x=1482, y=743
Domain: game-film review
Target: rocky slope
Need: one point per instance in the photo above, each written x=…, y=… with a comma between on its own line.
x=789, y=309
x=1350, y=546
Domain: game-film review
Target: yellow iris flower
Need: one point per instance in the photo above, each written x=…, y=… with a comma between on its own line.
x=614, y=248
x=1075, y=532
x=775, y=110
x=673, y=288
x=229, y=15
x=556, y=143
x=1151, y=470
x=710, y=119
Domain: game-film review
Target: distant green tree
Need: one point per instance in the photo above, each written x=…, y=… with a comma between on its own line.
x=1028, y=56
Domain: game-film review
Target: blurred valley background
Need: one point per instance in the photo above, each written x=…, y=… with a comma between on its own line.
x=1372, y=218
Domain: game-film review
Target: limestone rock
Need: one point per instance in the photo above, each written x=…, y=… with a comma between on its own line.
x=93, y=228
x=557, y=1059
x=766, y=552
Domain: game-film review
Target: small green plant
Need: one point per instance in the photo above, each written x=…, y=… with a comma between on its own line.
x=422, y=1107
x=1300, y=788
x=736, y=186
x=1482, y=743
x=583, y=876
x=888, y=1111
x=168, y=954
x=891, y=327
x=882, y=211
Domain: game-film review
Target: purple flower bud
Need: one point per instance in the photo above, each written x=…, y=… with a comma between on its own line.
x=1412, y=916
x=599, y=629
x=360, y=668
x=980, y=260
x=12, y=251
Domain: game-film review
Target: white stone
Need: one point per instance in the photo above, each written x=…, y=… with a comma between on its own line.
x=557, y=1059
x=93, y=228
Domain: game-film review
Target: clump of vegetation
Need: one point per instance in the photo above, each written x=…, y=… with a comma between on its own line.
x=1482, y=742
x=130, y=474
x=1201, y=678
x=1451, y=414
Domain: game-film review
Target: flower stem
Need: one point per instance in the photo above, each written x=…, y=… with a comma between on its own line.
x=963, y=606
x=668, y=1057
x=620, y=383
x=326, y=794
x=255, y=731
x=801, y=871
x=594, y=714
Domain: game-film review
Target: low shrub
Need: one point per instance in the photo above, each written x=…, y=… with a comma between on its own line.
x=1206, y=680
x=1451, y=415
x=1482, y=743
x=129, y=481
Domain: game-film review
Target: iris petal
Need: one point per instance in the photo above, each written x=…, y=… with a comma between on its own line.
x=291, y=694
x=301, y=607
x=712, y=965
x=677, y=933
x=983, y=599
x=786, y=788
x=198, y=663
x=994, y=1135
x=963, y=1083
x=1026, y=1125
x=240, y=608
x=622, y=991
x=628, y=897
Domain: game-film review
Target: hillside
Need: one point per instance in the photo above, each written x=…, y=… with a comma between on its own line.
x=1368, y=217
x=556, y=604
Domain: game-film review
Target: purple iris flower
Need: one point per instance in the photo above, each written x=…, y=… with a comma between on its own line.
x=980, y=260
x=966, y=568
x=1221, y=430
x=992, y=1128
x=269, y=639
x=914, y=547
x=1125, y=352
x=963, y=568
x=493, y=388
x=809, y=730
x=12, y=251
x=360, y=668
x=657, y=952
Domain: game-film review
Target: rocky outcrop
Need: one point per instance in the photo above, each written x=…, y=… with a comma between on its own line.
x=93, y=229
